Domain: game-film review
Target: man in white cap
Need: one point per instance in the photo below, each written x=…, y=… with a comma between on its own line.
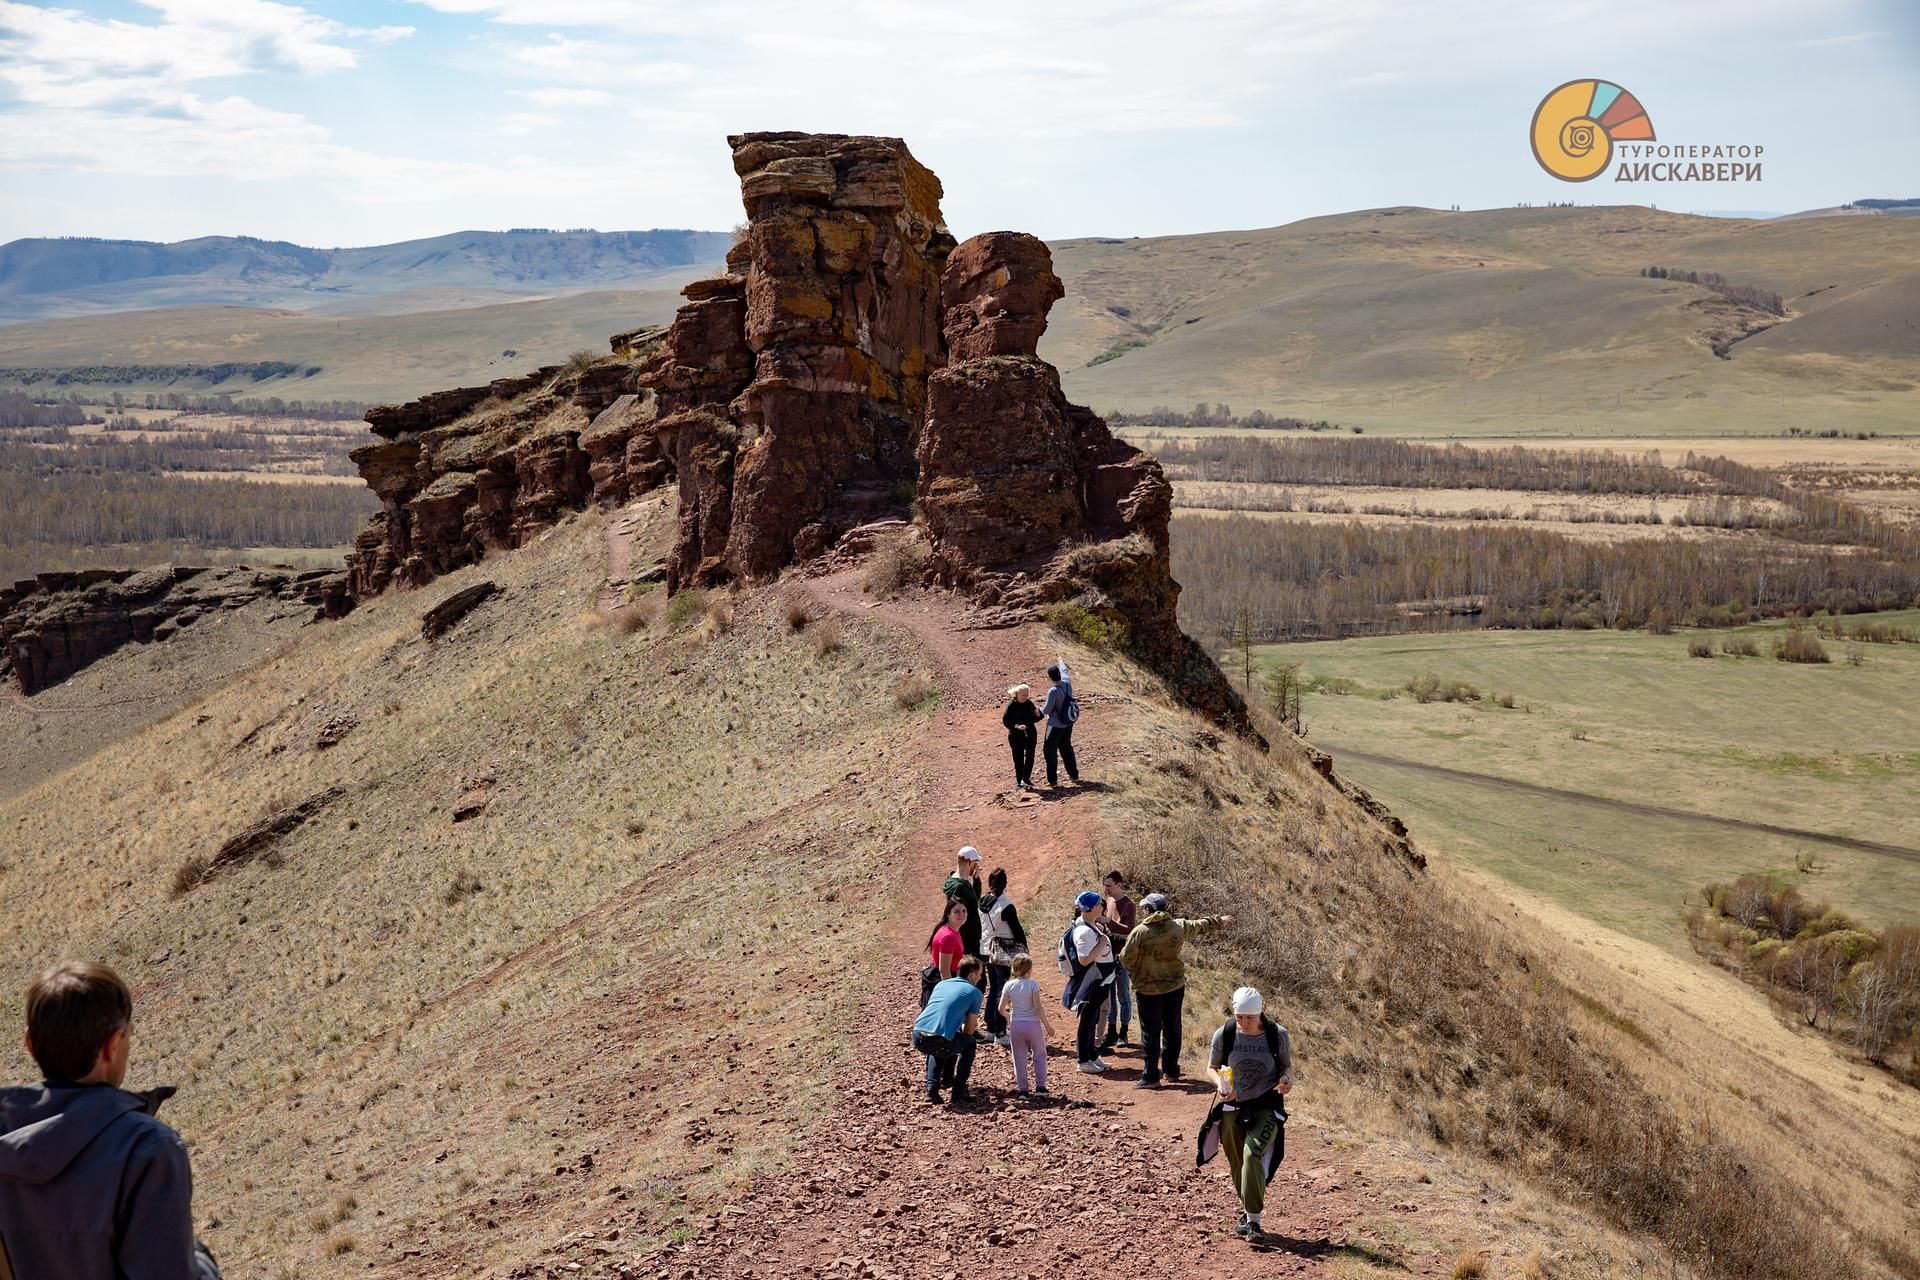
x=964, y=885
x=1251, y=1067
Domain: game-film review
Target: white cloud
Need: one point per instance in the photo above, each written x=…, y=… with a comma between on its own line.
x=1373, y=79
x=599, y=62
x=563, y=97
x=1858, y=37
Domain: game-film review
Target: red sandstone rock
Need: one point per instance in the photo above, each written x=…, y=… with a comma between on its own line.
x=53, y=625
x=996, y=291
x=1030, y=500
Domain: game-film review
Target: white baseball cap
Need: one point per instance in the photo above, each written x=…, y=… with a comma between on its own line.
x=970, y=853
x=1247, y=1000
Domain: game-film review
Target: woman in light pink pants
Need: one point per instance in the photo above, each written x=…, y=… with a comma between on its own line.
x=1026, y=1016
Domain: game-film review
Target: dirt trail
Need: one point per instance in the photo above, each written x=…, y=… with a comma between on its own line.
x=889, y=1185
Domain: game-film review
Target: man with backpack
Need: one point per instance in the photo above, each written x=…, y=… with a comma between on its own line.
x=1061, y=709
x=1086, y=956
x=1251, y=1067
x=945, y=1031
x=1151, y=957
x=92, y=1186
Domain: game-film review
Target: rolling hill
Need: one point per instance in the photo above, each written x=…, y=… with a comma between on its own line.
x=1411, y=321
x=59, y=277
x=1504, y=321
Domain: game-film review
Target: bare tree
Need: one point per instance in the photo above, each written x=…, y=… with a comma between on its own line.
x=1878, y=1005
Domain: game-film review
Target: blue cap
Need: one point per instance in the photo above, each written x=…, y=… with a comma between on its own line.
x=1087, y=901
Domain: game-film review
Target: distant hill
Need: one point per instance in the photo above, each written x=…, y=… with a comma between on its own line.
x=1504, y=321
x=41, y=279
x=1407, y=320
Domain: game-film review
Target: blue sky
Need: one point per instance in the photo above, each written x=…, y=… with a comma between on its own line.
x=376, y=120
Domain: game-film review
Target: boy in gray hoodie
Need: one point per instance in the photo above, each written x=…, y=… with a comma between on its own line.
x=92, y=1186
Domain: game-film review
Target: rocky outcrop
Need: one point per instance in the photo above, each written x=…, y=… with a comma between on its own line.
x=850, y=357
x=845, y=246
x=54, y=624
x=1030, y=501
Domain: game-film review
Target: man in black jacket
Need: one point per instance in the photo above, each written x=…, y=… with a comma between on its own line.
x=92, y=1186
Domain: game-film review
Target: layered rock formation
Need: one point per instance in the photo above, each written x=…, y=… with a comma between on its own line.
x=806, y=392
x=783, y=400
x=1029, y=500
x=53, y=625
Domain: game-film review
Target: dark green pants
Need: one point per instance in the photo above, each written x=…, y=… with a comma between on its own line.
x=1244, y=1139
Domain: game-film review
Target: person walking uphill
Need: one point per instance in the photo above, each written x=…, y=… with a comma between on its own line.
x=1020, y=717
x=963, y=885
x=1252, y=1072
x=1062, y=709
x=945, y=1029
x=1151, y=957
x=92, y=1186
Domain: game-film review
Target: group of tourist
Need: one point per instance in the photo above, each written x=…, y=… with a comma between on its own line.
x=978, y=988
x=93, y=1187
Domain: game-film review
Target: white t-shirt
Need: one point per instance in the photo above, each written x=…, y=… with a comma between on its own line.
x=1092, y=945
x=1023, y=1000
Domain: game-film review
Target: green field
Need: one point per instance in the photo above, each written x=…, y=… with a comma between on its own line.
x=1627, y=717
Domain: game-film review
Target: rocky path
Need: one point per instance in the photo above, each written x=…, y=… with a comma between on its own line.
x=1097, y=1174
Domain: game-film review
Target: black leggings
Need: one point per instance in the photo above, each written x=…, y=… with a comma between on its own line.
x=1022, y=746
x=1086, y=1039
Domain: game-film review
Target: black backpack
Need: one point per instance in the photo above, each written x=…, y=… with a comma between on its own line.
x=1233, y=1034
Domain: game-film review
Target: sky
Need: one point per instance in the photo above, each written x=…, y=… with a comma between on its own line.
x=370, y=121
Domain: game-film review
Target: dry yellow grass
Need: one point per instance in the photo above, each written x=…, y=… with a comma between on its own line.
x=673, y=827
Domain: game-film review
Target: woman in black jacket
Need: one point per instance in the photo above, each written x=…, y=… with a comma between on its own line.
x=1020, y=717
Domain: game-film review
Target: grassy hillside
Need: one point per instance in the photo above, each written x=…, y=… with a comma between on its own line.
x=370, y=358
x=1502, y=321
x=562, y=879
x=1413, y=321
x=1630, y=717
x=378, y=1023
x=41, y=279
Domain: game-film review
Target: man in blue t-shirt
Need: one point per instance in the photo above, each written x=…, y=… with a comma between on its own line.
x=945, y=1029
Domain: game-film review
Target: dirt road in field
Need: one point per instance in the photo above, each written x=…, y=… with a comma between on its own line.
x=1097, y=1175
x=1629, y=806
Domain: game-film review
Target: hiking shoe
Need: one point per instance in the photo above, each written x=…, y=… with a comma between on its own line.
x=1108, y=1043
x=1147, y=1082
x=1040, y=1089
x=960, y=1096
x=1254, y=1232
x=1094, y=1067
x=933, y=1095
x=1005, y=1042
x=1243, y=1226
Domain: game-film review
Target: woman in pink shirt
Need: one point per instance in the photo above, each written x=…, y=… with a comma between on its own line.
x=944, y=947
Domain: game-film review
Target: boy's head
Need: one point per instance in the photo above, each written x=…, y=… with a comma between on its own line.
x=1053, y=674
x=1022, y=965
x=969, y=968
x=1115, y=883
x=78, y=1014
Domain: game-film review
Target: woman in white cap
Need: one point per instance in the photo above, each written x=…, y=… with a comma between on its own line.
x=1251, y=1067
